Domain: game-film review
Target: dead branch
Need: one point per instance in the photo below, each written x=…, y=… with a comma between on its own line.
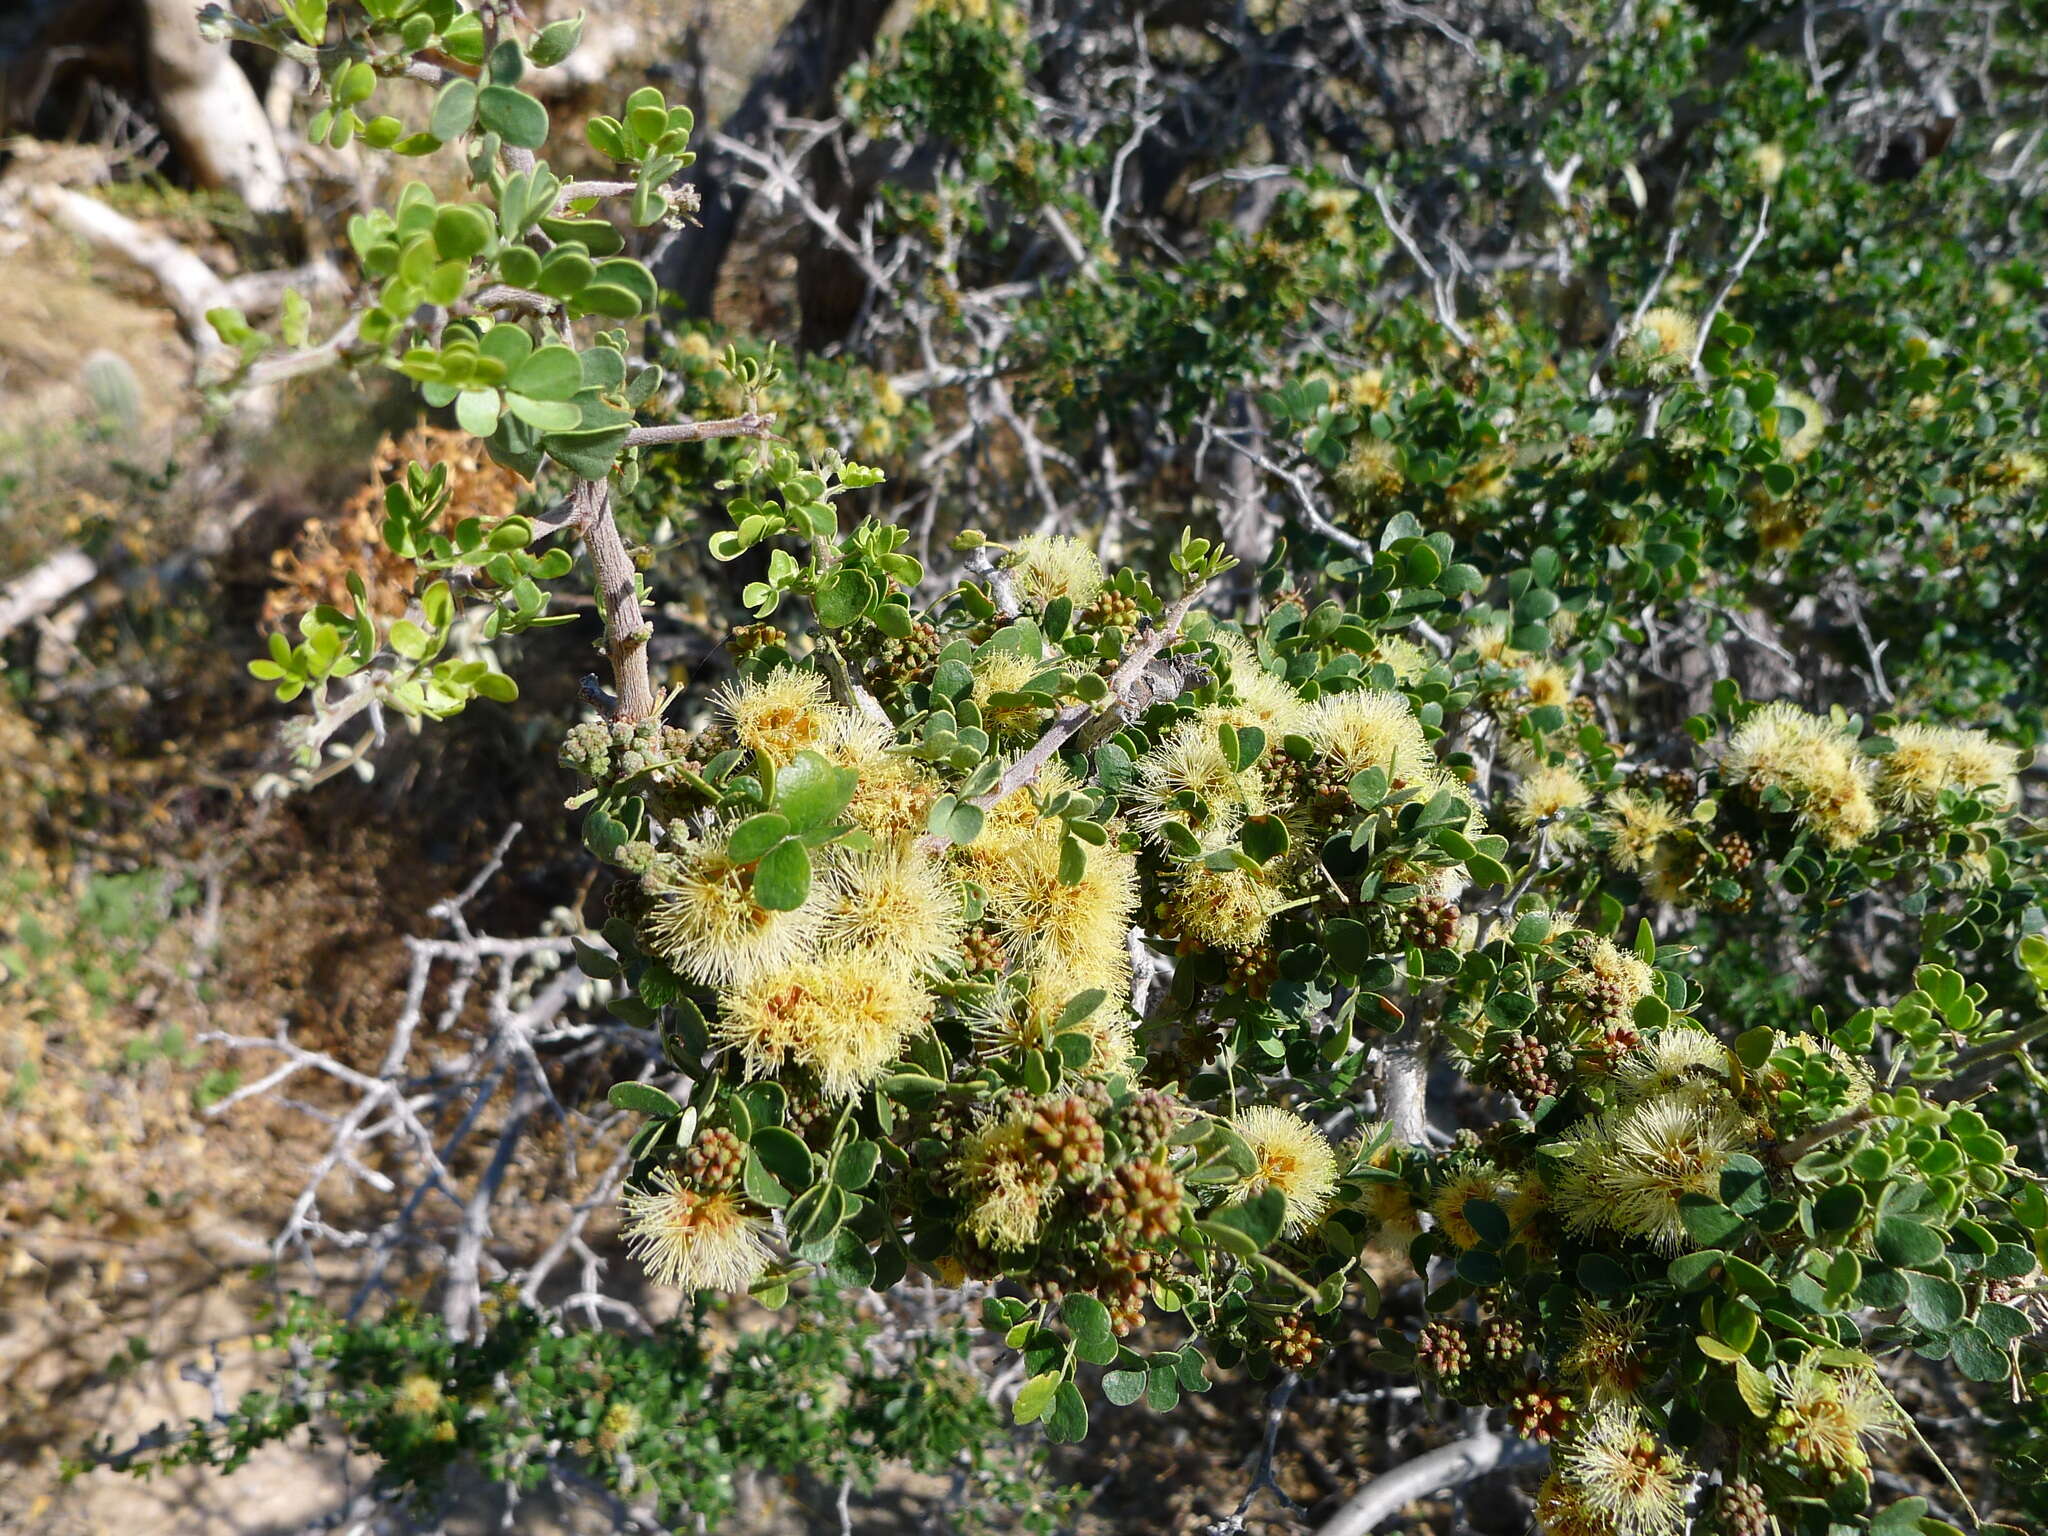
x=1452, y=1466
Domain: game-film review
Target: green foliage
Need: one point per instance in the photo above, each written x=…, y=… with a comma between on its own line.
x=663, y=1419
x=956, y=74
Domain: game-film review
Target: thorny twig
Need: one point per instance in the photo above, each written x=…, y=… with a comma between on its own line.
x=1262, y=1472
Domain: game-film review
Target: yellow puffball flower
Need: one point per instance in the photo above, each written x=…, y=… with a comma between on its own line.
x=1007, y=1183
x=418, y=1396
x=691, y=1240
x=706, y=923
x=1637, y=826
x=1545, y=683
x=1371, y=473
x=1606, y=1352
x=1396, y=1216
x=620, y=1423
x=1661, y=342
x=1624, y=1478
x=1604, y=969
x=1404, y=658
x=1186, y=781
x=1631, y=1170
x=1816, y=764
x=895, y=792
x=894, y=903
x=1292, y=1157
x=1048, y=924
x=1049, y=566
x=1018, y=810
x=1263, y=699
x=1368, y=390
x=1810, y=428
x=1677, y=1061
x=1006, y=671
x=1484, y=481
x=1490, y=643
x=788, y=712
x=1990, y=767
x=1925, y=760
x=2022, y=470
x=1472, y=1181
x=1792, y=1057
x=1562, y=1511
x=1546, y=792
x=1826, y=1418
x=1392, y=1207
x=1025, y=1018
x=1222, y=908
x=844, y=1017
x=1369, y=728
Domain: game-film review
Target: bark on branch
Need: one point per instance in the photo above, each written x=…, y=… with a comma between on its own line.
x=36, y=593
x=213, y=111
x=1452, y=1466
x=189, y=284
x=626, y=630
x=750, y=425
x=1133, y=688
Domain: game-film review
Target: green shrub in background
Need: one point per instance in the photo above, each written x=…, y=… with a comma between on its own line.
x=665, y=1422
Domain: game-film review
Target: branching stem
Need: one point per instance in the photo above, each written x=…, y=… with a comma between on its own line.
x=626, y=630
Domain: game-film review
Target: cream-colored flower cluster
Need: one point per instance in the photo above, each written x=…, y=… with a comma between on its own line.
x=1814, y=762
x=1186, y=786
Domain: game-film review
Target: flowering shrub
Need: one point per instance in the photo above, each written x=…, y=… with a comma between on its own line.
x=1087, y=928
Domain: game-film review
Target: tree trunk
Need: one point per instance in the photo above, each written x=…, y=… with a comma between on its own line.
x=796, y=80
x=212, y=111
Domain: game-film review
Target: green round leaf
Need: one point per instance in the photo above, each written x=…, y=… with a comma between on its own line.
x=1123, y=1387
x=454, y=110
x=595, y=235
x=1035, y=1397
x=1976, y=1356
x=564, y=272
x=589, y=452
x=1838, y=1209
x=755, y=836
x=555, y=42
x=1709, y=1222
x=783, y=1154
x=643, y=1098
x=553, y=372
x=545, y=415
x=519, y=265
x=844, y=597
x=1067, y=1423
x=609, y=300
x=810, y=791
x=513, y=116
x=782, y=880
x=1906, y=1243
x=477, y=411
x=633, y=276
x=1934, y=1303
x=461, y=230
